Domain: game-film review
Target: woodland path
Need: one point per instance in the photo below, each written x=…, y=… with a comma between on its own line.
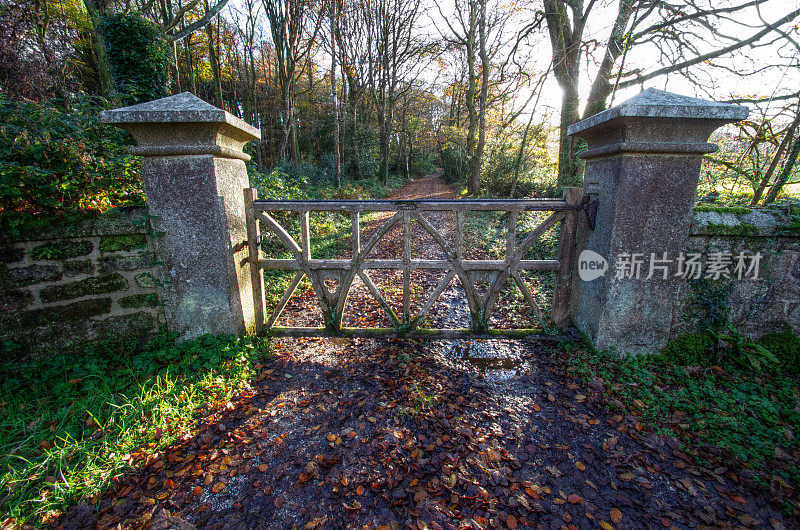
x=405, y=434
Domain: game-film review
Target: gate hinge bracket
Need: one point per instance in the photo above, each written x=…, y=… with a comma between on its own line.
x=589, y=205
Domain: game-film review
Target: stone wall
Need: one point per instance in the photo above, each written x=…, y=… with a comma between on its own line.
x=754, y=307
x=67, y=285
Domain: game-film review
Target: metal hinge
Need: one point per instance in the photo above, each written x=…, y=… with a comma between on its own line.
x=589, y=205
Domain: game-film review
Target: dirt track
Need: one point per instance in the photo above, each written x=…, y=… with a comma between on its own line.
x=402, y=433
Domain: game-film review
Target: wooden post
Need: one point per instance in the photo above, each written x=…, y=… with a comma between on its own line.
x=356, y=236
x=566, y=251
x=459, y=243
x=254, y=246
x=305, y=243
x=511, y=241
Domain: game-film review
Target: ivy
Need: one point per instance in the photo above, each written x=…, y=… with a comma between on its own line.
x=138, y=57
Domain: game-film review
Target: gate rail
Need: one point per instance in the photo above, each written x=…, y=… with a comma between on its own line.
x=344, y=271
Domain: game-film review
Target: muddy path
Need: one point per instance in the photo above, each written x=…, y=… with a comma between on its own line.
x=397, y=433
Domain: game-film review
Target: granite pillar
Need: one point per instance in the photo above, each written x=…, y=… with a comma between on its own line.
x=642, y=168
x=194, y=175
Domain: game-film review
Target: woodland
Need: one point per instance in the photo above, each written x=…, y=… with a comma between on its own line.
x=358, y=92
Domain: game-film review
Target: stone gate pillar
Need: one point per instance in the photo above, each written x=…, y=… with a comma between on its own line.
x=642, y=167
x=194, y=175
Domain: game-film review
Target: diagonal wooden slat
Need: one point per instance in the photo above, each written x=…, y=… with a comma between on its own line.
x=526, y=293
x=299, y=255
x=432, y=298
x=500, y=280
x=455, y=261
x=381, y=300
x=276, y=313
x=281, y=232
x=358, y=261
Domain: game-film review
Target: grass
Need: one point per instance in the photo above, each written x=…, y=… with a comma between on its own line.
x=717, y=406
x=70, y=426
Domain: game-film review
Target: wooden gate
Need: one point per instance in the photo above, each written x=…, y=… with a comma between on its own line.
x=342, y=272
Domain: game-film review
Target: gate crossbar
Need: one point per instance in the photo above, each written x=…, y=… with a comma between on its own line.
x=344, y=271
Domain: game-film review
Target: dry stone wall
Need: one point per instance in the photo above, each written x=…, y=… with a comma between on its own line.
x=64, y=286
x=767, y=304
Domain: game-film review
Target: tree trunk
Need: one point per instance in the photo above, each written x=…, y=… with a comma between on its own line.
x=791, y=160
x=569, y=167
x=336, y=152
x=214, y=60
x=787, y=138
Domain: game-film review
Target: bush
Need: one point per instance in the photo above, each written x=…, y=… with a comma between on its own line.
x=691, y=349
x=138, y=57
x=55, y=161
x=785, y=346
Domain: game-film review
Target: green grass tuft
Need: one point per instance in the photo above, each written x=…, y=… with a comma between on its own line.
x=69, y=426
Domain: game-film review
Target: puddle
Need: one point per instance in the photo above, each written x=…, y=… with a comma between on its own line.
x=495, y=359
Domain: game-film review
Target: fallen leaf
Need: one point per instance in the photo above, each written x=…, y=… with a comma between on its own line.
x=616, y=515
x=219, y=486
x=575, y=499
x=197, y=491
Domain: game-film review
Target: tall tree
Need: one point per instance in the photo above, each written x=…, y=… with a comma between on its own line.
x=287, y=21
x=677, y=31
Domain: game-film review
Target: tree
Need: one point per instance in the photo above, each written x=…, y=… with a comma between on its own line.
x=287, y=20
x=678, y=31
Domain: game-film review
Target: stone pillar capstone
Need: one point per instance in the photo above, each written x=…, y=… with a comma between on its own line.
x=194, y=174
x=642, y=168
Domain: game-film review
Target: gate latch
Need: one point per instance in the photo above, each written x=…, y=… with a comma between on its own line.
x=589, y=205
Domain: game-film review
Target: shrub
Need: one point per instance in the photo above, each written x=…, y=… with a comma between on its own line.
x=691, y=349
x=54, y=160
x=785, y=346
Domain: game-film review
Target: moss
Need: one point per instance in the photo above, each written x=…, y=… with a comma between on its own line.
x=791, y=229
x=784, y=345
x=120, y=243
x=691, y=349
x=59, y=314
x=115, y=262
x=736, y=210
x=31, y=274
x=94, y=285
x=76, y=267
x=744, y=229
x=139, y=300
x=62, y=249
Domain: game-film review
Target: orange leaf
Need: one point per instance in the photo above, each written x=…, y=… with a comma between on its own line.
x=511, y=522
x=219, y=486
x=360, y=490
x=197, y=491
x=263, y=468
x=575, y=499
x=616, y=515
